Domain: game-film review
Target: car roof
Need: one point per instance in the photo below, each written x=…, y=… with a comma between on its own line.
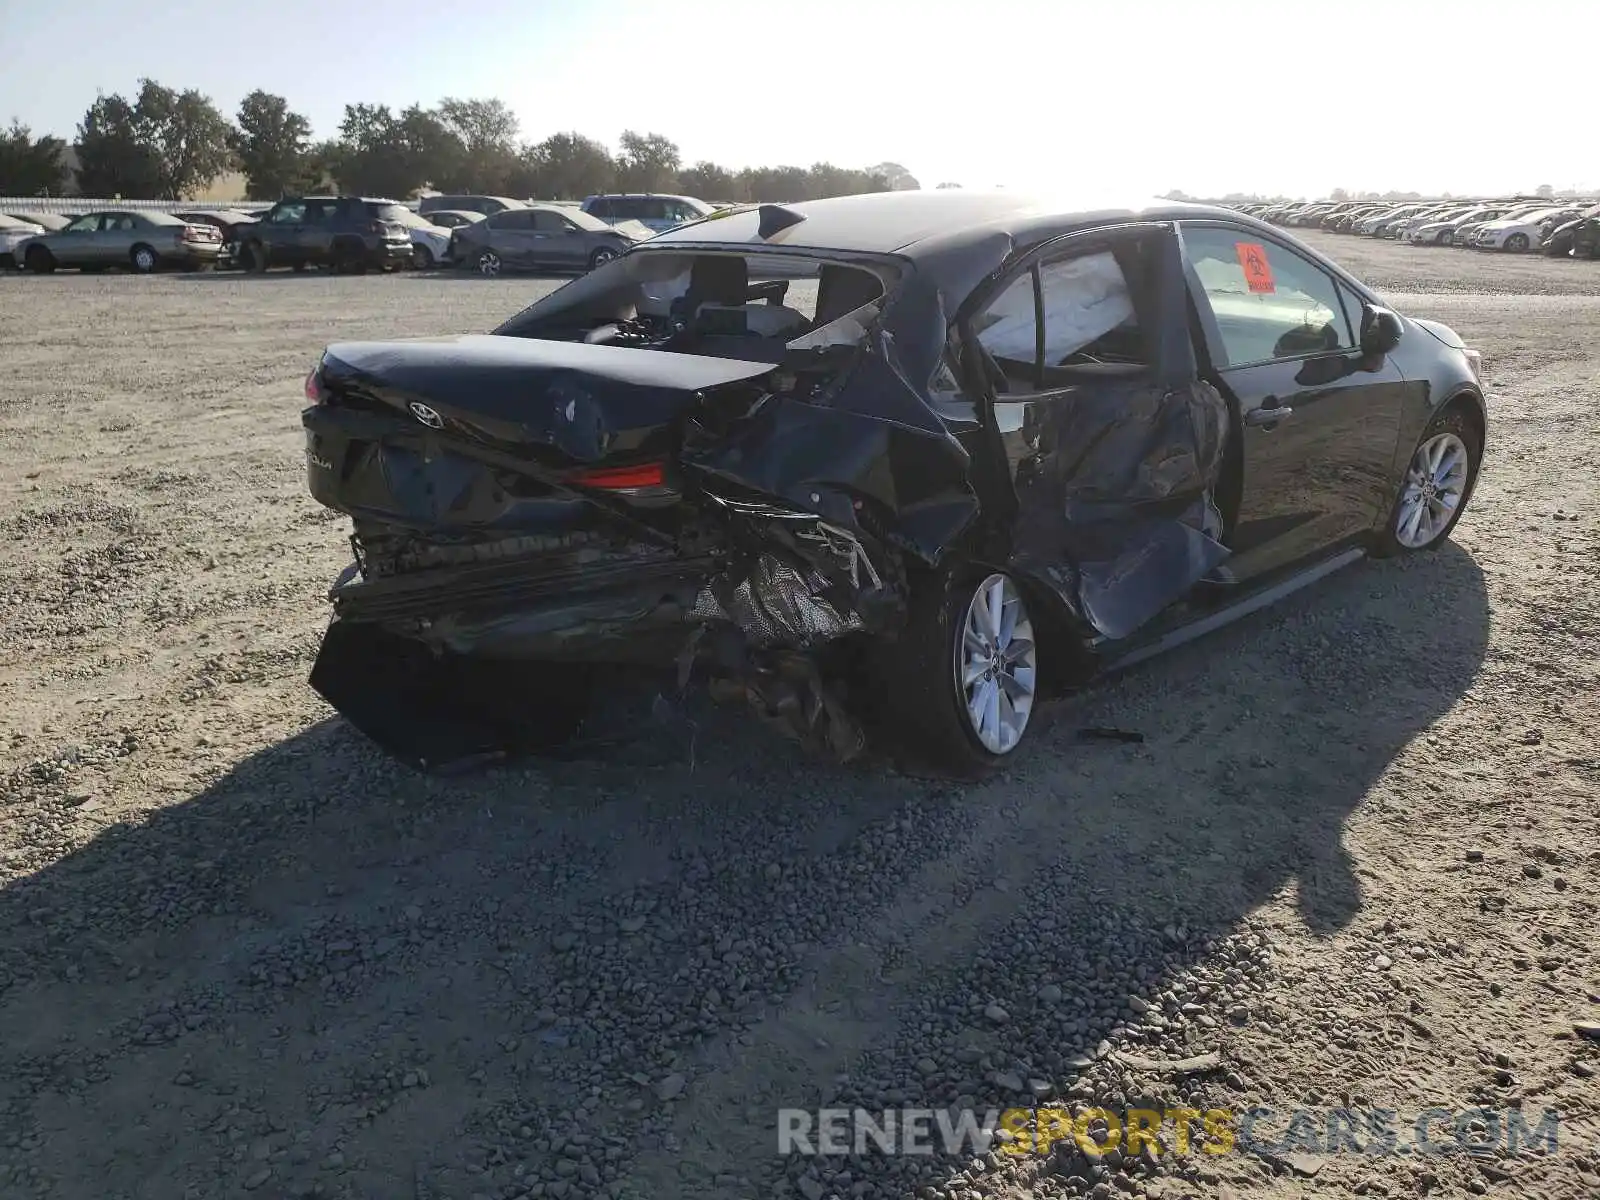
x=644, y=196
x=910, y=222
x=955, y=236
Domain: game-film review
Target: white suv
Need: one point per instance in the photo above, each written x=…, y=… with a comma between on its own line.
x=659, y=213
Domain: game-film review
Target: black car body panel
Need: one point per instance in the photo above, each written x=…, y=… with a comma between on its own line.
x=592, y=484
x=1586, y=238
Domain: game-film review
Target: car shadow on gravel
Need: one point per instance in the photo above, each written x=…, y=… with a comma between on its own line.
x=604, y=976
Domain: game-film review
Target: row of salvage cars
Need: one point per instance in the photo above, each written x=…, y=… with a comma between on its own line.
x=888, y=469
x=337, y=232
x=1555, y=228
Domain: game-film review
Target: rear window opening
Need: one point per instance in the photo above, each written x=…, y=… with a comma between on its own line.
x=758, y=306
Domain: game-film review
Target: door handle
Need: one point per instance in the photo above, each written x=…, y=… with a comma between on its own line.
x=1268, y=415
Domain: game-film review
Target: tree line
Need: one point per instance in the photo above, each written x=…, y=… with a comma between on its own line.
x=166, y=144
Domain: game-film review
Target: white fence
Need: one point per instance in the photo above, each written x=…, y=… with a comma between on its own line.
x=72, y=205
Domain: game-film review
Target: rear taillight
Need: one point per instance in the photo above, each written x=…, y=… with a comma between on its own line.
x=314, y=392
x=643, y=482
x=623, y=479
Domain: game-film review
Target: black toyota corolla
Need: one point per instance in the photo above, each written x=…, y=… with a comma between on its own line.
x=895, y=463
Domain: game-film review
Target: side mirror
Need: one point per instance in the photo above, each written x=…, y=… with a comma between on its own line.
x=1380, y=329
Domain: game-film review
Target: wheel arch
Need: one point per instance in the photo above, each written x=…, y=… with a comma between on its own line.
x=1470, y=404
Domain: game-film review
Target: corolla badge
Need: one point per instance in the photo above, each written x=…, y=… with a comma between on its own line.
x=426, y=415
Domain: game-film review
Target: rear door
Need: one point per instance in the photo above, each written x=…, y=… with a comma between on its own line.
x=1319, y=418
x=556, y=241
x=114, y=243
x=322, y=221
x=1084, y=356
x=511, y=236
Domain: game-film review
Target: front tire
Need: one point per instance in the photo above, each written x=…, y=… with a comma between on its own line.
x=254, y=258
x=39, y=260
x=601, y=257
x=489, y=264
x=1438, y=481
x=1517, y=243
x=964, y=672
x=422, y=258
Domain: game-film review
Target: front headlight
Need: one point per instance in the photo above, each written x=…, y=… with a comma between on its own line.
x=1475, y=365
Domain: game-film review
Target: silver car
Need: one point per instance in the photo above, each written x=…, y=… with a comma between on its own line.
x=143, y=242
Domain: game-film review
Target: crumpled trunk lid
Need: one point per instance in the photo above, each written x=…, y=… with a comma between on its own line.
x=564, y=403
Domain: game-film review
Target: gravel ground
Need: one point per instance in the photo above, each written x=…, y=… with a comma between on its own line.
x=1355, y=857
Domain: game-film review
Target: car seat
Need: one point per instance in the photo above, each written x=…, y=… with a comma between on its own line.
x=717, y=300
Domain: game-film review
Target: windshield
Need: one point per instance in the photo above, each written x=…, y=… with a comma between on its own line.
x=583, y=220
x=758, y=305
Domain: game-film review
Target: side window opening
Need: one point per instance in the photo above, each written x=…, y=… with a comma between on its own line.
x=1064, y=320
x=1269, y=303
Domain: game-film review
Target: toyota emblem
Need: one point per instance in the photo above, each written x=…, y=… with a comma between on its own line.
x=426, y=415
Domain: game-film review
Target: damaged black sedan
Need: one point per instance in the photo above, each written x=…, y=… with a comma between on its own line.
x=896, y=462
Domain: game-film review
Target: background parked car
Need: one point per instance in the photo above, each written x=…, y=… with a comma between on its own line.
x=346, y=233
x=230, y=223
x=1442, y=231
x=1526, y=232
x=1559, y=242
x=1586, y=237
x=1467, y=231
x=656, y=212
x=430, y=243
x=48, y=221
x=487, y=205
x=141, y=241
x=12, y=234
x=541, y=236
x=452, y=218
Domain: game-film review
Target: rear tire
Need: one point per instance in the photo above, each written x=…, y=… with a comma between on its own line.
x=1431, y=486
x=39, y=260
x=961, y=685
x=144, y=260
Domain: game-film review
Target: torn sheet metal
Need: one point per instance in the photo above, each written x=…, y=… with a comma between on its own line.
x=1113, y=487
x=777, y=603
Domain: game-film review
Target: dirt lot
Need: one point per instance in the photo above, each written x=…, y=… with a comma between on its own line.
x=1356, y=856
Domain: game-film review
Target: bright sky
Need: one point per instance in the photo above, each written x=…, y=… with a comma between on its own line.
x=1122, y=95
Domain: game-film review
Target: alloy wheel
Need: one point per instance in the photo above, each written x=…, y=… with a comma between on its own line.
x=996, y=665
x=144, y=260
x=489, y=263
x=1436, y=483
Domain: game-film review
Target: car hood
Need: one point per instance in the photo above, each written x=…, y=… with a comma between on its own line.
x=1441, y=331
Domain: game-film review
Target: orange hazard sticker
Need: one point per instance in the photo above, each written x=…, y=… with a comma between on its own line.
x=1257, y=270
